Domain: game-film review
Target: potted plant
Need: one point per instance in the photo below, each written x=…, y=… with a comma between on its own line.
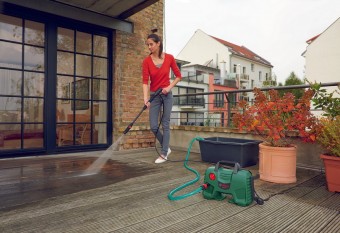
x=277, y=119
x=329, y=134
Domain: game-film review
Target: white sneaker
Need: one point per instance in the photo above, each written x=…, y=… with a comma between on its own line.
x=160, y=159
x=169, y=151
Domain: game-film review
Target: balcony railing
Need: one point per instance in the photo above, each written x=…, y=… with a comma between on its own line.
x=189, y=101
x=209, y=115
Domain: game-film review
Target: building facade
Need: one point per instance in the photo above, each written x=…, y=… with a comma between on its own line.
x=322, y=56
x=230, y=61
x=70, y=73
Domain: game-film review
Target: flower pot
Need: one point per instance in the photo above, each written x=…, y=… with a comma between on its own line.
x=332, y=169
x=277, y=164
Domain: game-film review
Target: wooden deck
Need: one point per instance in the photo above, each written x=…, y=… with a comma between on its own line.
x=48, y=194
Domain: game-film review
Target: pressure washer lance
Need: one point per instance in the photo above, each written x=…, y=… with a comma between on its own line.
x=158, y=92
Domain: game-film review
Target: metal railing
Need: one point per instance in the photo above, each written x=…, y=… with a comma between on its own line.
x=217, y=113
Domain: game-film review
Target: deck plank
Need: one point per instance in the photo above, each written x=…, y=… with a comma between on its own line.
x=139, y=203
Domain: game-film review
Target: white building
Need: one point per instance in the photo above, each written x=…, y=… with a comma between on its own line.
x=322, y=56
x=233, y=61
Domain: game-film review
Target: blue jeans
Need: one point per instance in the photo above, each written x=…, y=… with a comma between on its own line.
x=156, y=109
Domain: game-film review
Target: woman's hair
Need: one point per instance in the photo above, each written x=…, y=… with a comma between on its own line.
x=157, y=39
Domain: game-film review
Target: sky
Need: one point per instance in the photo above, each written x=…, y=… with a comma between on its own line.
x=276, y=30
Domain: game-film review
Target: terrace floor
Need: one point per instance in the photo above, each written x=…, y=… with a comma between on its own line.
x=129, y=194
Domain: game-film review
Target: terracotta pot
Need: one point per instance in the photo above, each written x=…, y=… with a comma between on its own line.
x=277, y=164
x=332, y=169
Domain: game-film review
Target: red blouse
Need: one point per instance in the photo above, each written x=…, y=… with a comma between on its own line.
x=159, y=77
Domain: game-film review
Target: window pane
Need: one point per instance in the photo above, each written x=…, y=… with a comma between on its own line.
x=11, y=55
x=34, y=58
x=10, y=109
x=99, y=89
x=99, y=133
x=100, y=111
x=34, y=84
x=33, y=109
x=100, y=46
x=10, y=28
x=84, y=43
x=65, y=39
x=34, y=33
x=62, y=109
x=65, y=63
x=83, y=64
x=64, y=87
x=33, y=136
x=82, y=87
x=10, y=82
x=100, y=67
x=12, y=136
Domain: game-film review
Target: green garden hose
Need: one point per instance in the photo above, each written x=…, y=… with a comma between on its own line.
x=172, y=192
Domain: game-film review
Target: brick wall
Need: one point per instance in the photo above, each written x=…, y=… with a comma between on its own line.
x=129, y=52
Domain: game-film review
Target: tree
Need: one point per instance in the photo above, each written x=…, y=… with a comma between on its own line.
x=292, y=80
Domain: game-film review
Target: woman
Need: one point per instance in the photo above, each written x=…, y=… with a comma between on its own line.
x=156, y=68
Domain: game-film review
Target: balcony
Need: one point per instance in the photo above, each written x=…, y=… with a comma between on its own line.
x=190, y=102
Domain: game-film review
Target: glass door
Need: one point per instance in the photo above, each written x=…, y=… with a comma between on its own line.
x=82, y=88
x=22, y=78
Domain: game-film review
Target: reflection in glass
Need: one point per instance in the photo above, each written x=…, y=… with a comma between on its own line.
x=34, y=58
x=99, y=89
x=34, y=84
x=100, y=46
x=100, y=67
x=10, y=28
x=65, y=63
x=11, y=55
x=84, y=43
x=10, y=109
x=33, y=109
x=62, y=109
x=65, y=39
x=80, y=105
x=33, y=136
x=101, y=131
x=34, y=33
x=65, y=134
x=10, y=82
x=11, y=136
x=83, y=65
x=100, y=111
x=64, y=86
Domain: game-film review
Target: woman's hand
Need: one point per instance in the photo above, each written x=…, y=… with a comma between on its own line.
x=166, y=90
x=147, y=103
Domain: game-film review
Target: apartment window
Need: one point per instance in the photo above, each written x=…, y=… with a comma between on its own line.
x=252, y=83
x=260, y=76
x=194, y=100
x=218, y=100
x=192, y=118
x=235, y=68
x=252, y=67
x=244, y=70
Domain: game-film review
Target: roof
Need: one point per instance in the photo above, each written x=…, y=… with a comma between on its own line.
x=106, y=13
x=120, y=9
x=312, y=39
x=243, y=51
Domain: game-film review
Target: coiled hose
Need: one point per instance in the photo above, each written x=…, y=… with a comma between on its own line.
x=172, y=192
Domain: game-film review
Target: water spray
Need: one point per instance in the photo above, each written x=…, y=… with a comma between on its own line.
x=100, y=162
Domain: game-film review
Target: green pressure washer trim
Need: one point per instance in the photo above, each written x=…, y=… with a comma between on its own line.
x=172, y=192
